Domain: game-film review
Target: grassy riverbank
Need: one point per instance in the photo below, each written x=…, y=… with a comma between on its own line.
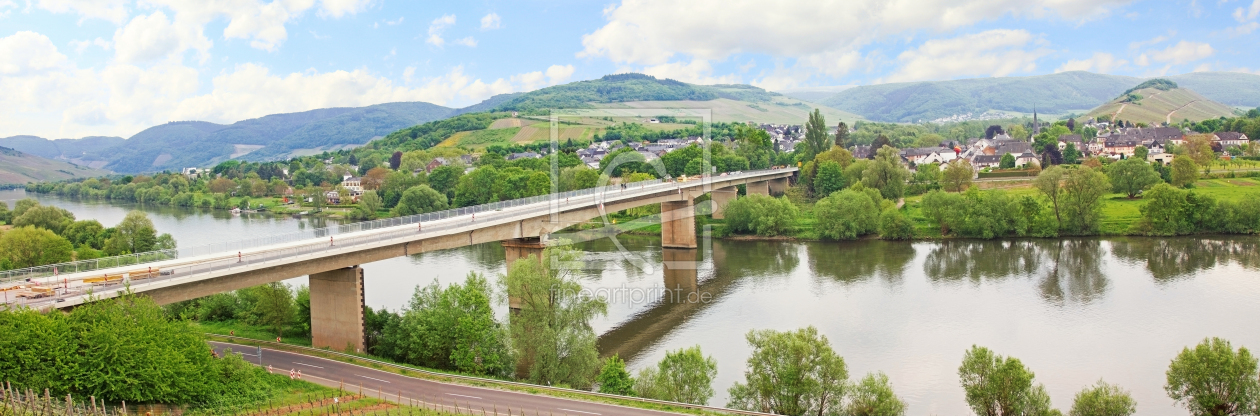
x=1119, y=216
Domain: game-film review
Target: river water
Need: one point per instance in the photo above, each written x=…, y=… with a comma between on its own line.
x=1073, y=310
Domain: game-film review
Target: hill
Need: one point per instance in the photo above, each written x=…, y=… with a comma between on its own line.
x=1158, y=101
x=925, y=101
x=1230, y=88
x=82, y=152
x=17, y=168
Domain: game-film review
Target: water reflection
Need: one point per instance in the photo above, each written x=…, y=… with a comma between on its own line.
x=977, y=261
x=1073, y=270
x=1173, y=259
x=856, y=261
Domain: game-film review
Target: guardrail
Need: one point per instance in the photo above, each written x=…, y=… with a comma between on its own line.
x=489, y=381
x=437, y=222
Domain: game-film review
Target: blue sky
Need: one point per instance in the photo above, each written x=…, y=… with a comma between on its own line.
x=73, y=68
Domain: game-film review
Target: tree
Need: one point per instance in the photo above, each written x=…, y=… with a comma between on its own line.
x=374, y=178
x=1140, y=153
x=830, y=178
x=1071, y=124
x=880, y=141
x=1184, y=171
x=993, y=130
x=614, y=379
x=815, y=135
x=761, y=215
x=1050, y=155
x=450, y=328
x=275, y=307
x=552, y=330
x=85, y=233
x=1131, y=176
x=1213, y=379
x=893, y=225
x=847, y=215
x=45, y=216
x=1000, y=386
x=221, y=185
x=1103, y=400
x=419, y=200
x=842, y=134
x=369, y=204
x=957, y=175
x=874, y=396
x=135, y=234
x=1007, y=162
x=684, y=376
x=29, y=247
x=1082, y=199
x=395, y=160
x=1050, y=183
x=887, y=174
x=1199, y=148
x=1071, y=155
x=791, y=373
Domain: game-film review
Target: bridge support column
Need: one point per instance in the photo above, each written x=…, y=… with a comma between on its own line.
x=778, y=186
x=678, y=224
x=680, y=275
x=720, y=198
x=337, y=309
x=521, y=248
x=758, y=188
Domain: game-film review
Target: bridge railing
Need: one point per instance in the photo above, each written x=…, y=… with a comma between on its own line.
x=488, y=211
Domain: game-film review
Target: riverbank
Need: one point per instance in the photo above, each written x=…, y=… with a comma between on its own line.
x=1120, y=215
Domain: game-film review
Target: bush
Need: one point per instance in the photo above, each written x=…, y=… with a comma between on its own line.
x=761, y=215
x=847, y=215
x=120, y=349
x=893, y=225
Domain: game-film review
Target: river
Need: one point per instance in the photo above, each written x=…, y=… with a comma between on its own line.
x=1073, y=310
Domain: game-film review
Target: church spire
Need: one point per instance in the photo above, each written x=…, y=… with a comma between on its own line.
x=1036, y=125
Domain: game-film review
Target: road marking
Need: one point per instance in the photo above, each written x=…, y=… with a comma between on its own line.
x=369, y=378
x=578, y=411
x=308, y=365
x=243, y=353
x=460, y=395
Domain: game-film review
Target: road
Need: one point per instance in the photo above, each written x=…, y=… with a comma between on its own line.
x=333, y=373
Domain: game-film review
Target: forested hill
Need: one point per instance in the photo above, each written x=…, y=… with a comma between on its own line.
x=925, y=101
x=629, y=87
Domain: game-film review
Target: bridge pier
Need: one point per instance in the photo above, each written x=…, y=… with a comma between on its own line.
x=337, y=309
x=521, y=248
x=678, y=224
x=758, y=188
x=720, y=198
x=778, y=186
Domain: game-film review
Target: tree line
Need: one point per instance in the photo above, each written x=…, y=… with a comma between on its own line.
x=45, y=234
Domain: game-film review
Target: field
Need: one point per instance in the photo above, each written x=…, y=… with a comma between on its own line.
x=1164, y=106
x=19, y=168
x=782, y=110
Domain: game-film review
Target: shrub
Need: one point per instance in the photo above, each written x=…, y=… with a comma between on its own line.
x=893, y=225
x=847, y=215
x=761, y=215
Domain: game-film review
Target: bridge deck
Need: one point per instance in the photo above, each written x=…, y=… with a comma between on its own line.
x=46, y=288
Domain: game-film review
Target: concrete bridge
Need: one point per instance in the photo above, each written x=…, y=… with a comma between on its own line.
x=332, y=259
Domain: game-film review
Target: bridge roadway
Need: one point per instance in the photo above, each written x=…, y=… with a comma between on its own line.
x=332, y=261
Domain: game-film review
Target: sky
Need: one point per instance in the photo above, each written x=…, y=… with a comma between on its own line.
x=74, y=68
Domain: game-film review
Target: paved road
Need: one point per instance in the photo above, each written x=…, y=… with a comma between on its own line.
x=332, y=373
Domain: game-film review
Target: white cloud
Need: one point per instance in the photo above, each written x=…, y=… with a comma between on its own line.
x=1101, y=62
x=698, y=71
x=82, y=45
x=1182, y=52
x=467, y=41
x=338, y=8
x=152, y=37
x=1152, y=41
x=111, y=10
x=652, y=32
x=1246, y=19
x=996, y=53
x=491, y=21
x=5, y=5
x=26, y=53
x=395, y=22
x=1249, y=13
x=435, y=30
